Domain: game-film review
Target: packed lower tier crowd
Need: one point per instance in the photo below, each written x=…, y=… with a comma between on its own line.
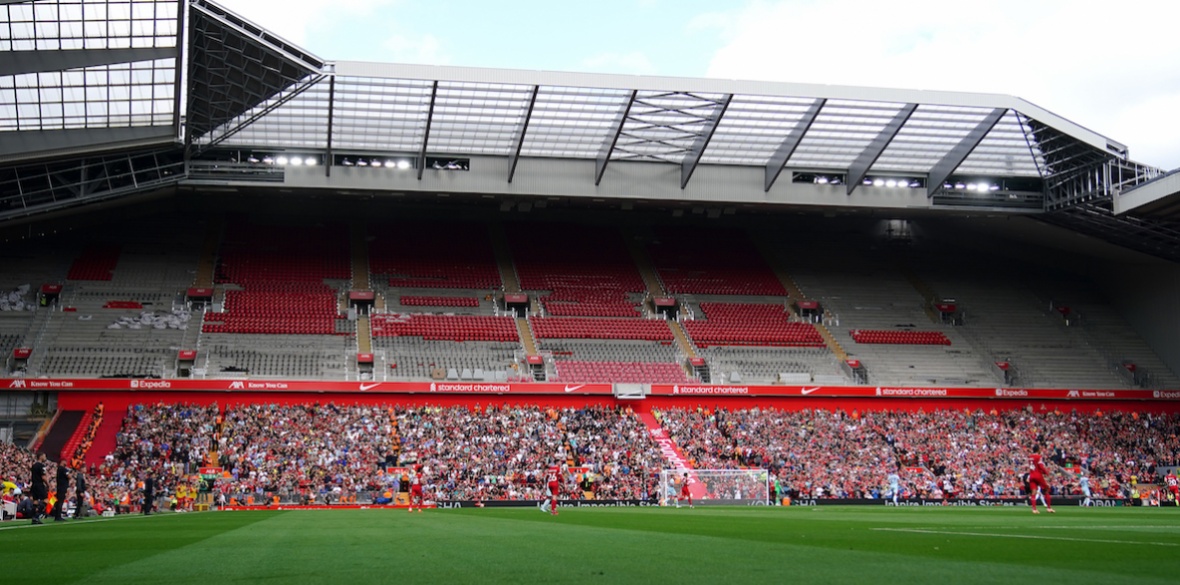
x=952, y=453
x=327, y=453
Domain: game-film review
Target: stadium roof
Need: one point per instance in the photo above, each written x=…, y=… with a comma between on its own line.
x=100, y=98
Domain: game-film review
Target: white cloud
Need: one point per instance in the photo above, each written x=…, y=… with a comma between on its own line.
x=633, y=63
x=1111, y=70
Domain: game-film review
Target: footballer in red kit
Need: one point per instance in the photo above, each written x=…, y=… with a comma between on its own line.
x=1036, y=482
x=553, y=477
x=685, y=494
x=416, y=488
x=1173, y=484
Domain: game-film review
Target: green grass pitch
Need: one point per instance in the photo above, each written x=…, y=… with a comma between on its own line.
x=714, y=545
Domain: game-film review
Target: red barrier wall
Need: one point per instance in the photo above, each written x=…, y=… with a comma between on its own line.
x=116, y=402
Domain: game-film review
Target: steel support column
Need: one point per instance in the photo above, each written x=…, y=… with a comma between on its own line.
x=860, y=167
x=609, y=145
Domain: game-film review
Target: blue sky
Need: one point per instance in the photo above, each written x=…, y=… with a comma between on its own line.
x=1113, y=70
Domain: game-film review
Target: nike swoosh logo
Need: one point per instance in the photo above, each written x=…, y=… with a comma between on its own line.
x=572, y=388
x=807, y=391
x=368, y=386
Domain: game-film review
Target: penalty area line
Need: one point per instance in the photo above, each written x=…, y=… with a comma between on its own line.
x=1027, y=536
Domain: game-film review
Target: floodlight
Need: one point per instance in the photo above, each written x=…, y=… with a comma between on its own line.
x=878, y=182
x=403, y=164
x=282, y=161
x=960, y=186
x=821, y=180
x=994, y=188
x=389, y=164
x=360, y=162
x=296, y=161
x=891, y=183
x=310, y=161
x=252, y=159
x=268, y=159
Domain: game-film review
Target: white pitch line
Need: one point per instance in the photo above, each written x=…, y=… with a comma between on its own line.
x=1028, y=536
x=73, y=522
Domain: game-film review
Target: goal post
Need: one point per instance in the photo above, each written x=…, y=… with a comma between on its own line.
x=717, y=487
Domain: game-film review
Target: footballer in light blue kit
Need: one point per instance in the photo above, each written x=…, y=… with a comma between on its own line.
x=1084, y=484
x=894, y=486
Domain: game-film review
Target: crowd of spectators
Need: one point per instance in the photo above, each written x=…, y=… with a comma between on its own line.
x=493, y=452
x=326, y=453
x=940, y=453
x=304, y=452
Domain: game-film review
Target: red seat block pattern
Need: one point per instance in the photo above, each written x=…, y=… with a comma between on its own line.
x=886, y=336
x=712, y=261
x=434, y=255
x=750, y=324
x=419, y=301
x=619, y=372
x=591, y=328
x=281, y=270
x=586, y=269
x=95, y=263
x=446, y=327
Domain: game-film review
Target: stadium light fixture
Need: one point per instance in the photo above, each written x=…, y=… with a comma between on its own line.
x=891, y=183
x=310, y=161
x=360, y=162
x=960, y=186
x=389, y=164
x=296, y=161
x=994, y=188
x=821, y=180
x=282, y=161
x=403, y=165
x=878, y=182
x=347, y=162
x=252, y=159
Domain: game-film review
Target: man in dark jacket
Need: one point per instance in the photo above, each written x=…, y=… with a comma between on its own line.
x=63, y=486
x=80, y=494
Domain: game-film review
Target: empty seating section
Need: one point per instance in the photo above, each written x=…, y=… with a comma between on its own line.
x=899, y=337
x=311, y=313
x=411, y=358
x=750, y=324
x=281, y=271
x=711, y=261
x=584, y=271
x=613, y=372
x=96, y=262
x=434, y=255
x=420, y=301
x=765, y=364
x=591, y=328
x=588, y=350
x=99, y=362
x=278, y=356
x=445, y=327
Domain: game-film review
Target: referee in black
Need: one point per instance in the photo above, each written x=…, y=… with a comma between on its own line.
x=39, y=488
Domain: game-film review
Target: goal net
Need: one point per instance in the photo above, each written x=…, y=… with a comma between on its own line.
x=717, y=487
